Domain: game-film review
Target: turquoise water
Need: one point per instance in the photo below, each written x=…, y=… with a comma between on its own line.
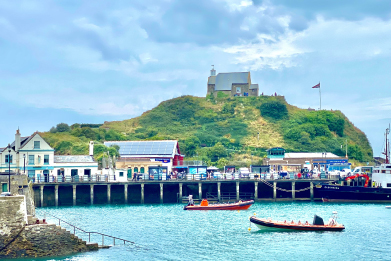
x=167, y=232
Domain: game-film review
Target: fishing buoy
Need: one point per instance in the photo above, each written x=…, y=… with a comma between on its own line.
x=249, y=229
x=238, y=211
x=255, y=214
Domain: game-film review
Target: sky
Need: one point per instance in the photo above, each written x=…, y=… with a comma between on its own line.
x=80, y=61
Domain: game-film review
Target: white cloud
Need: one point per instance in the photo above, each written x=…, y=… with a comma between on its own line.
x=268, y=51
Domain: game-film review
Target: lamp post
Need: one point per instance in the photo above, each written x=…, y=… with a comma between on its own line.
x=9, y=168
x=24, y=164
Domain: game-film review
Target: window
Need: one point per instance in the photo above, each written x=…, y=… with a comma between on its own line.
x=31, y=173
x=46, y=159
x=39, y=159
x=37, y=144
x=121, y=173
x=135, y=169
x=238, y=90
x=73, y=172
x=31, y=159
x=8, y=160
x=388, y=185
x=142, y=169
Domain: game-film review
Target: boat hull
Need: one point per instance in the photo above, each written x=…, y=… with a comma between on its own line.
x=335, y=193
x=264, y=224
x=230, y=206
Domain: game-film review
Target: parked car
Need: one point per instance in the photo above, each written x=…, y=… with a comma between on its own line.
x=217, y=175
x=244, y=173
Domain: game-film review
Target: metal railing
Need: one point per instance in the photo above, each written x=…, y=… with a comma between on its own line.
x=229, y=195
x=76, y=178
x=86, y=232
x=174, y=177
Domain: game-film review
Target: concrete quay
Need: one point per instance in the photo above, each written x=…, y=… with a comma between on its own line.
x=171, y=191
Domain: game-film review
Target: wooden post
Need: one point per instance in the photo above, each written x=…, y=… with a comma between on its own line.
x=312, y=191
x=56, y=194
x=293, y=190
x=41, y=188
x=255, y=190
x=219, y=191
x=74, y=194
x=161, y=193
x=200, y=190
x=92, y=194
x=180, y=192
x=126, y=193
x=274, y=190
x=108, y=193
x=142, y=193
x=237, y=190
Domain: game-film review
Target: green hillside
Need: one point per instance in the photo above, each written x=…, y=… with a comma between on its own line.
x=221, y=130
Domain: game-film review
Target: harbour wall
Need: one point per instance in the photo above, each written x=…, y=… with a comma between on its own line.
x=149, y=192
x=20, y=236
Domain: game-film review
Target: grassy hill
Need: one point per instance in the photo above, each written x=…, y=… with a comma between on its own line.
x=221, y=130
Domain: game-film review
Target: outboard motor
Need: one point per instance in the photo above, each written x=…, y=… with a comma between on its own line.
x=318, y=221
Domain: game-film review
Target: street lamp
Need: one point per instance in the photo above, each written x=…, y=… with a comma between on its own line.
x=24, y=164
x=9, y=168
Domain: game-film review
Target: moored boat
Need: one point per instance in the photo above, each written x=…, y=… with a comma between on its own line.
x=240, y=205
x=317, y=225
x=377, y=187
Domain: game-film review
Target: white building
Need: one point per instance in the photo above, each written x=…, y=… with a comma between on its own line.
x=34, y=157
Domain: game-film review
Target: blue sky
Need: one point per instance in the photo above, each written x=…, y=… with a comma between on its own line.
x=95, y=61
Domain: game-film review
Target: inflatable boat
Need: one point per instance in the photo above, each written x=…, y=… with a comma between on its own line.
x=317, y=225
x=240, y=205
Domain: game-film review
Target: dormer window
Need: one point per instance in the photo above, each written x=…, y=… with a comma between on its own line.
x=8, y=159
x=37, y=144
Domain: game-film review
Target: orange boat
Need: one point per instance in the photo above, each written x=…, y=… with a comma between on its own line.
x=240, y=205
x=317, y=225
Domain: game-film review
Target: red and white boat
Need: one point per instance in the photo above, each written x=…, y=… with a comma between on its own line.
x=240, y=205
x=317, y=225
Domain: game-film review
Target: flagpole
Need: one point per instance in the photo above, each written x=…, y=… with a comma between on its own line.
x=320, y=98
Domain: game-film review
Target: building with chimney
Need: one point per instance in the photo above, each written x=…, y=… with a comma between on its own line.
x=232, y=84
x=34, y=157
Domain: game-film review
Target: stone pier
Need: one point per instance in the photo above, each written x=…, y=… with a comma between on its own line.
x=126, y=193
x=56, y=194
x=92, y=194
x=237, y=191
x=161, y=193
x=219, y=191
x=293, y=190
x=255, y=190
x=312, y=191
x=274, y=190
x=108, y=193
x=41, y=190
x=74, y=194
x=142, y=193
x=180, y=192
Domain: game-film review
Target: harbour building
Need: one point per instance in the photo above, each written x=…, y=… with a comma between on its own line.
x=152, y=157
x=279, y=160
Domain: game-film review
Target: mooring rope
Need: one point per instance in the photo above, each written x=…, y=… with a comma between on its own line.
x=285, y=190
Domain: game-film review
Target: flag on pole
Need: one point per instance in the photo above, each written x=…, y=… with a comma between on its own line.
x=317, y=86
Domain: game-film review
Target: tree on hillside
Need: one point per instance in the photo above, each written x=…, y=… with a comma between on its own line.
x=63, y=127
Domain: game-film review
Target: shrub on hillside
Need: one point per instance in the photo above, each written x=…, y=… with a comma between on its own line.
x=274, y=109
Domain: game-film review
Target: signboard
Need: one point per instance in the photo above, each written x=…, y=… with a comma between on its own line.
x=163, y=160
